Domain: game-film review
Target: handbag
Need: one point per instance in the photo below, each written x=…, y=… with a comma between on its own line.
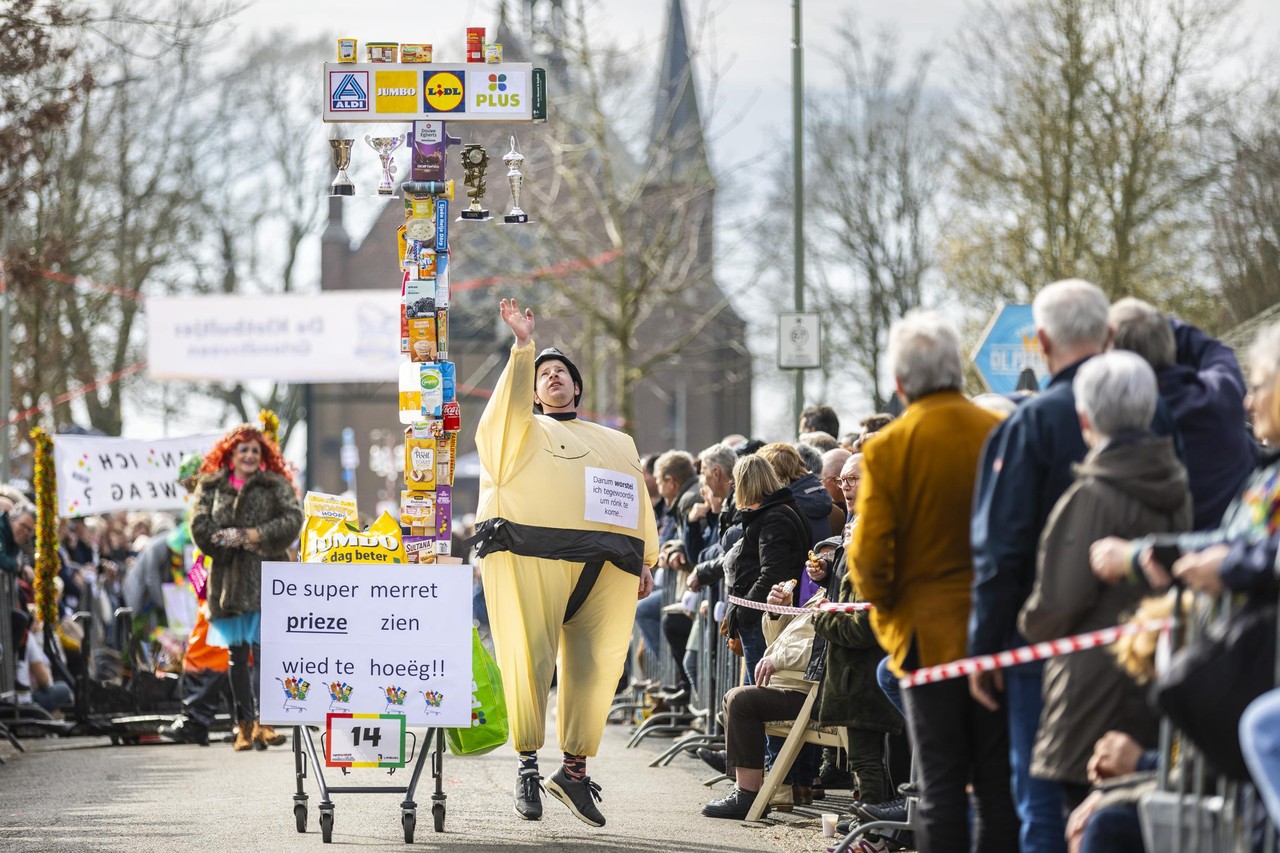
x=488, y=729
x=1212, y=680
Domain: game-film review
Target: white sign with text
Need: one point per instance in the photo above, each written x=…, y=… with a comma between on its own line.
x=613, y=498
x=366, y=639
x=97, y=473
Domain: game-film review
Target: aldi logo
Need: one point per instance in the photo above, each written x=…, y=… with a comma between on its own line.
x=349, y=91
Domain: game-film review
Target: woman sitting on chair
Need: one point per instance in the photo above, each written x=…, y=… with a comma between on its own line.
x=782, y=683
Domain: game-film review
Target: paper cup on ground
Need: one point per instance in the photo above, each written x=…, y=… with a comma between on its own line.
x=829, y=825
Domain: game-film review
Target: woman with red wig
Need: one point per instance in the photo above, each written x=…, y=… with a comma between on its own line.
x=246, y=511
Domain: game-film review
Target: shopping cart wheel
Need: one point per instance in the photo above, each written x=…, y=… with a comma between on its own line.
x=437, y=814
x=409, y=820
x=300, y=816
x=326, y=825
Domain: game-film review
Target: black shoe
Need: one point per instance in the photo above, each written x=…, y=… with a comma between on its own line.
x=529, y=795
x=580, y=796
x=836, y=779
x=891, y=810
x=733, y=807
x=186, y=730
x=677, y=697
x=714, y=758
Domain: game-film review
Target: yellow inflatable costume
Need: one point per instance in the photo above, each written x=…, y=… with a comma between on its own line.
x=565, y=527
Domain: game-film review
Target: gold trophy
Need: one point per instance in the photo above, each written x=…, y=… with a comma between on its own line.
x=514, y=160
x=386, y=146
x=475, y=162
x=340, y=149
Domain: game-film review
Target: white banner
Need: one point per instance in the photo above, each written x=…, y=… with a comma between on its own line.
x=366, y=639
x=99, y=474
x=334, y=336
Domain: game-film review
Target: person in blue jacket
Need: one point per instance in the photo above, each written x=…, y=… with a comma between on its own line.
x=1201, y=383
x=1026, y=465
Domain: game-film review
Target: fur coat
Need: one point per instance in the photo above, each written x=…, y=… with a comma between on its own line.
x=266, y=501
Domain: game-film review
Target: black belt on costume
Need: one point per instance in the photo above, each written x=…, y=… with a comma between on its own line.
x=556, y=543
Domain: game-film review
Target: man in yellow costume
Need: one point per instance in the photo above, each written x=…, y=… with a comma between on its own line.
x=567, y=534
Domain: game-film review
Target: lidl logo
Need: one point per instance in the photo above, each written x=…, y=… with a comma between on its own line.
x=443, y=92
x=349, y=91
x=395, y=92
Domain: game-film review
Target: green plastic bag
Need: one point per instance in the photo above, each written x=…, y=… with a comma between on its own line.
x=489, y=728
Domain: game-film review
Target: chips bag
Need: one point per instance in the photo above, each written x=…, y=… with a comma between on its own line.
x=326, y=540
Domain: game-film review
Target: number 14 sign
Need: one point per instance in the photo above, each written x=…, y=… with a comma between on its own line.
x=364, y=740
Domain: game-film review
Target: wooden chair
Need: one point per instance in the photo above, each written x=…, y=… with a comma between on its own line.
x=797, y=732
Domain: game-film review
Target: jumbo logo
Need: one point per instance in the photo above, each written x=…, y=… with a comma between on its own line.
x=443, y=92
x=395, y=92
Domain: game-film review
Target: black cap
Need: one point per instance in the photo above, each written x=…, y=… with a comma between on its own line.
x=552, y=353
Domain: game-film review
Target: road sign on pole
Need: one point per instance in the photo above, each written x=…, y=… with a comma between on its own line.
x=799, y=340
x=1008, y=345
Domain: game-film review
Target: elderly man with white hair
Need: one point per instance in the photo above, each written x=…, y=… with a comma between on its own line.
x=1028, y=467
x=1130, y=484
x=911, y=558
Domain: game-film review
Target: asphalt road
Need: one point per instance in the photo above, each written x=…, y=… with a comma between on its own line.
x=83, y=794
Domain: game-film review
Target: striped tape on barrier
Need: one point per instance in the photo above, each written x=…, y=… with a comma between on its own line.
x=1030, y=654
x=981, y=663
x=781, y=610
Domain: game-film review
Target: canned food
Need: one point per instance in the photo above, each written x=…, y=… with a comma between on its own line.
x=347, y=51
x=475, y=44
x=381, y=51
x=415, y=53
x=493, y=53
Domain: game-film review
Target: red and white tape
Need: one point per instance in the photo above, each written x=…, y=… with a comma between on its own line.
x=781, y=610
x=1030, y=654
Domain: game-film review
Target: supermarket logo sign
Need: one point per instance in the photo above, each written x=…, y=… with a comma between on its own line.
x=349, y=91
x=443, y=92
x=498, y=92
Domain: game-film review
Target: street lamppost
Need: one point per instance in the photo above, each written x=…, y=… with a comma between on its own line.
x=797, y=179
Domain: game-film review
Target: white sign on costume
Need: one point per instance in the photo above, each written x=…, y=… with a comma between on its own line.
x=340, y=336
x=100, y=474
x=366, y=639
x=612, y=498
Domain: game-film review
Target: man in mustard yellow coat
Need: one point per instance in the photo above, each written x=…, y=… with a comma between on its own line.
x=911, y=559
x=567, y=536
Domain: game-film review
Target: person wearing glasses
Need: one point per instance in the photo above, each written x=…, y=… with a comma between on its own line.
x=17, y=526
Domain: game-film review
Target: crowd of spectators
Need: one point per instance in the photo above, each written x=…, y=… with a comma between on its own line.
x=96, y=556
x=973, y=527
x=1145, y=466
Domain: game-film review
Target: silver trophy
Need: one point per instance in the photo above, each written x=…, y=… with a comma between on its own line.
x=386, y=146
x=340, y=149
x=514, y=160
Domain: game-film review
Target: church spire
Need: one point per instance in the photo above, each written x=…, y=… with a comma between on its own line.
x=678, y=148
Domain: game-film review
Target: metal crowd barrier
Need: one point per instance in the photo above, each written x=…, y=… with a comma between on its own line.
x=1210, y=813
x=8, y=654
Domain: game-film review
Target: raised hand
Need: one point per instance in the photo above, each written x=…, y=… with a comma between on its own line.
x=520, y=323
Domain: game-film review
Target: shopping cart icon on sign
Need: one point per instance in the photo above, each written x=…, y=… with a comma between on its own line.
x=295, y=692
x=395, y=700
x=434, y=700
x=339, y=695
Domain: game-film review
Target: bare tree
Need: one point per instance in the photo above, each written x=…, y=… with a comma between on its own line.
x=638, y=216
x=1246, y=215
x=1080, y=153
x=119, y=208
x=877, y=147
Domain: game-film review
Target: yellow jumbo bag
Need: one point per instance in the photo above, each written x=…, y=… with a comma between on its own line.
x=328, y=540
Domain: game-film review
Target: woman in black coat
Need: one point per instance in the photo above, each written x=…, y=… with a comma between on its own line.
x=773, y=548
